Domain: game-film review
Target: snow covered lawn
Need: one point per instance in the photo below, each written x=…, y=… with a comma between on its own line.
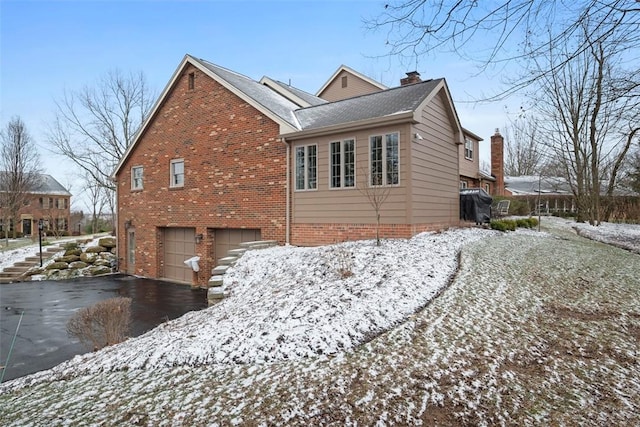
x=536, y=328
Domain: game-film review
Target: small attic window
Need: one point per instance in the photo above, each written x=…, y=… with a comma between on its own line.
x=344, y=81
x=192, y=80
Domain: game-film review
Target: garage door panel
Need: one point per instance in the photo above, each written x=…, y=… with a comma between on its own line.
x=230, y=238
x=179, y=245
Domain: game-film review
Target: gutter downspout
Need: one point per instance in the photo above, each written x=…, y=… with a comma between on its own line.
x=287, y=209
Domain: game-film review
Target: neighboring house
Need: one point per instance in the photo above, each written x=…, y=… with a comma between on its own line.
x=544, y=194
x=48, y=201
x=223, y=159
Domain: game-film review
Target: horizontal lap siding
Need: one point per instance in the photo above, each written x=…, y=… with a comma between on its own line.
x=355, y=87
x=326, y=205
x=435, y=184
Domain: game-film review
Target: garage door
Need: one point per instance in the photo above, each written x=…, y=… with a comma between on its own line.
x=179, y=245
x=230, y=238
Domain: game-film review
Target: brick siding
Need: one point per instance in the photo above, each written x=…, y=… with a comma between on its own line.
x=323, y=234
x=234, y=167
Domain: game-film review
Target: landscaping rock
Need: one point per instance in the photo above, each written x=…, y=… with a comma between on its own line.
x=68, y=258
x=95, y=249
x=57, y=266
x=100, y=269
x=89, y=258
x=78, y=265
x=107, y=242
x=74, y=251
x=102, y=262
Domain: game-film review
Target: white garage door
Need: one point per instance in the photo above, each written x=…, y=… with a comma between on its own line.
x=179, y=245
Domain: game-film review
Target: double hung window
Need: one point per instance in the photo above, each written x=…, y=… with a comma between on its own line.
x=384, y=159
x=342, y=163
x=307, y=167
x=136, y=177
x=177, y=173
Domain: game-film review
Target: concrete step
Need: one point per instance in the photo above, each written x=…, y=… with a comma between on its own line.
x=10, y=273
x=26, y=263
x=215, y=294
x=16, y=269
x=219, y=270
x=236, y=252
x=259, y=244
x=215, y=281
x=228, y=260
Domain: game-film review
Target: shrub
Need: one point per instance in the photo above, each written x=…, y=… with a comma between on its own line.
x=523, y=222
x=533, y=222
x=102, y=324
x=503, y=224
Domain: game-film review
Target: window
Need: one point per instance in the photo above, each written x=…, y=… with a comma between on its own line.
x=136, y=177
x=468, y=149
x=306, y=167
x=192, y=81
x=44, y=202
x=177, y=173
x=384, y=158
x=487, y=188
x=463, y=184
x=344, y=81
x=342, y=164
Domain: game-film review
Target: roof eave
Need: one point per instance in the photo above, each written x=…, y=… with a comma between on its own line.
x=402, y=117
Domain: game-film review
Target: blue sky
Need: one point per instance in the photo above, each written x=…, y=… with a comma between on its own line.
x=47, y=47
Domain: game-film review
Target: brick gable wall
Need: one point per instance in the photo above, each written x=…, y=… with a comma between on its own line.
x=235, y=173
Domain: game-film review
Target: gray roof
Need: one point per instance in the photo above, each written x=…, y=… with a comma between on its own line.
x=528, y=185
x=46, y=184
x=305, y=96
x=551, y=186
x=268, y=98
x=377, y=104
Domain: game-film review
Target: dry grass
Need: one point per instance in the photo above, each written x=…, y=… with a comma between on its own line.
x=104, y=323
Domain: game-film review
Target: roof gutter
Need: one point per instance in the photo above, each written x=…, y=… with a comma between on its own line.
x=401, y=117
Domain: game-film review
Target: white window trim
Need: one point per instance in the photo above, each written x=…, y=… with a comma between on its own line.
x=133, y=180
x=463, y=184
x=171, y=173
x=306, y=168
x=471, y=150
x=342, y=171
x=384, y=160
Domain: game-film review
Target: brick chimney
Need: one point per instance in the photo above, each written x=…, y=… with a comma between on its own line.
x=497, y=162
x=412, y=77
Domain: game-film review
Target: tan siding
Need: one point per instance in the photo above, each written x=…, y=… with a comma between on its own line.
x=434, y=166
x=326, y=205
x=471, y=167
x=355, y=87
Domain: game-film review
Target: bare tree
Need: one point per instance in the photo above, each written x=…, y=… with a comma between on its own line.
x=19, y=171
x=495, y=33
x=525, y=154
x=94, y=126
x=376, y=195
x=584, y=112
